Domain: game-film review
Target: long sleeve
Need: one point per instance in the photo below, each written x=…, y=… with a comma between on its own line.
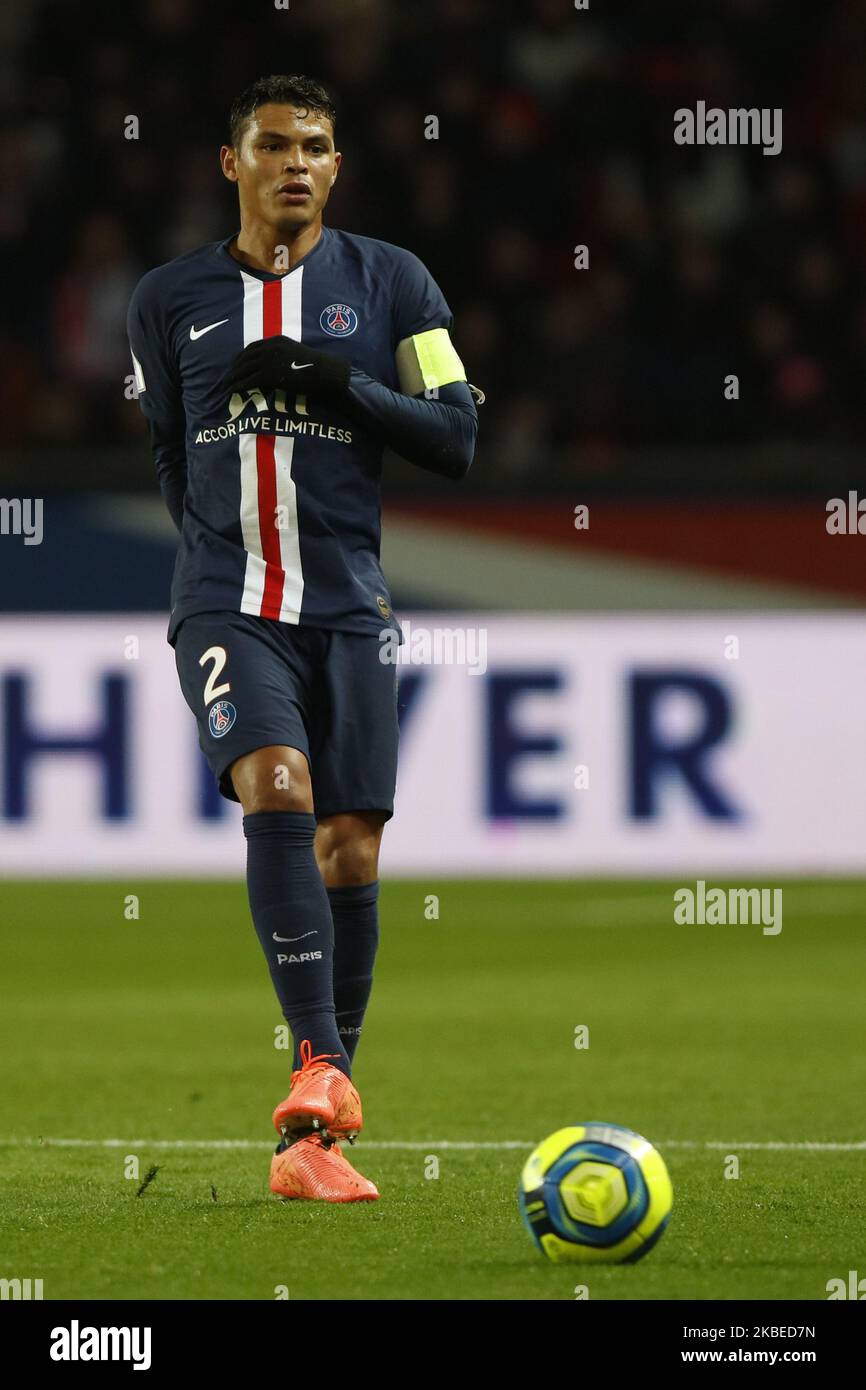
x=431, y=420
x=171, y=472
x=438, y=434
x=159, y=394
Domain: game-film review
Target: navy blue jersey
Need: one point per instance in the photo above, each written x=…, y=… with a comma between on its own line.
x=281, y=513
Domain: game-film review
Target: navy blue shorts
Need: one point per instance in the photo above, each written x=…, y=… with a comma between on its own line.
x=252, y=682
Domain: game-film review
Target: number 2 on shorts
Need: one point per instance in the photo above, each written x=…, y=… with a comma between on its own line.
x=219, y=656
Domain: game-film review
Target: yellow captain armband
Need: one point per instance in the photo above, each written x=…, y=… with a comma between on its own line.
x=428, y=360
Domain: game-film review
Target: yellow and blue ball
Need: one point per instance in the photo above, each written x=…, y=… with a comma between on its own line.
x=595, y=1193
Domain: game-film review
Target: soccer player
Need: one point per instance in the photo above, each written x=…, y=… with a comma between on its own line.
x=273, y=368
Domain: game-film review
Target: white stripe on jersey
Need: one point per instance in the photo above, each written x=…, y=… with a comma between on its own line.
x=290, y=544
x=291, y=287
x=254, y=579
x=254, y=312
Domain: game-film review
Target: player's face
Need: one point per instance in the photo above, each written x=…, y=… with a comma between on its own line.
x=283, y=153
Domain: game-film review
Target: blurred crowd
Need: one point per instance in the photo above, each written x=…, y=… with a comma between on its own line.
x=555, y=130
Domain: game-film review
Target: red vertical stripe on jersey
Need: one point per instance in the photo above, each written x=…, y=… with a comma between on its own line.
x=266, y=467
x=272, y=311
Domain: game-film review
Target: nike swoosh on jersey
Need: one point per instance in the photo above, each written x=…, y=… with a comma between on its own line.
x=299, y=366
x=195, y=333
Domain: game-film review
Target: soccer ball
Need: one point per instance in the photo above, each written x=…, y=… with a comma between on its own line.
x=595, y=1193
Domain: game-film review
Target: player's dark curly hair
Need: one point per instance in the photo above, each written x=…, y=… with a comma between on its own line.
x=303, y=92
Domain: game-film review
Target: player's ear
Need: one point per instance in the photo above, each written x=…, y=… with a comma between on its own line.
x=228, y=163
x=338, y=159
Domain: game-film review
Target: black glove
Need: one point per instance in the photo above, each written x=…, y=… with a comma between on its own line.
x=282, y=364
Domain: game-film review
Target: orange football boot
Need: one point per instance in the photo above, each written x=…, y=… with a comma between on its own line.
x=321, y=1096
x=314, y=1170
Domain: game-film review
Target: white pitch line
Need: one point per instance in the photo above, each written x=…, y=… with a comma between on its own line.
x=770, y=1145
x=804, y=1145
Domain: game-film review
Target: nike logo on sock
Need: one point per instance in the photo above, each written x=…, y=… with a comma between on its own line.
x=195, y=333
x=299, y=366
x=293, y=938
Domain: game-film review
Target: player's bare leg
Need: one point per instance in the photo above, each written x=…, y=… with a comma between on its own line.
x=347, y=848
x=273, y=779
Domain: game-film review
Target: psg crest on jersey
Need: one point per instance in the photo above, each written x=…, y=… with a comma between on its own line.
x=339, y=320
x=221, y=718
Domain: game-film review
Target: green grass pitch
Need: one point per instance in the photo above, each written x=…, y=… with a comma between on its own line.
x=159, y=1034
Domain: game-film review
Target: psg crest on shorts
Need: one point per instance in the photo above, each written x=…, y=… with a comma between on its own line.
x=221, y=718
x=339, y=320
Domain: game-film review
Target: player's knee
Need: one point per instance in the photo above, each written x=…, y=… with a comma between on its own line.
x=352, y=864
x=268, y=799
x=348, y=852
x=273, y=779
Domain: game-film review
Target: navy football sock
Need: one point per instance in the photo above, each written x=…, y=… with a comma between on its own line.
x=292, y=916
x=355, y=912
